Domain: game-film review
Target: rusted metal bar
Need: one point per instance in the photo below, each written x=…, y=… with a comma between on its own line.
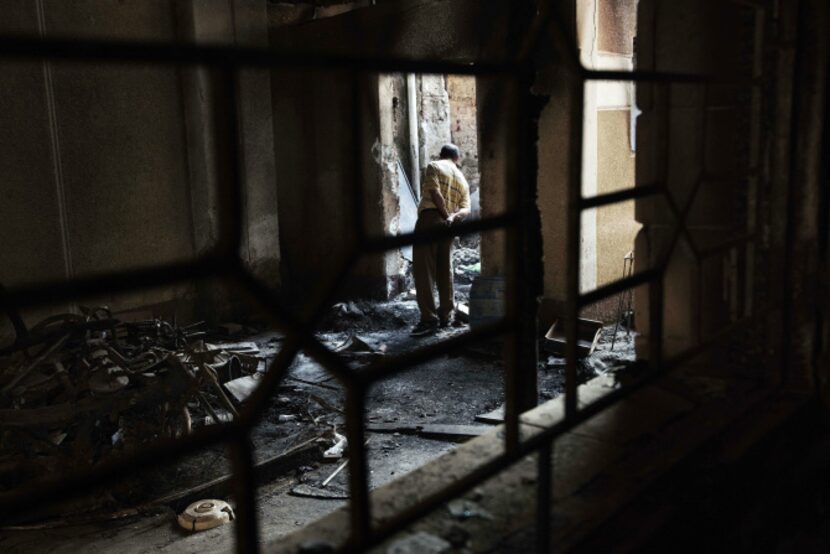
x=244, y=492
x=300, y=336
x=91, y=51
x=360, y=509
x=641, y=76
x=616, y=287
x=383, y=244
x=525, y=258
x=574, y=238
x=28, y=296
x=620, y=196
x=544, y=497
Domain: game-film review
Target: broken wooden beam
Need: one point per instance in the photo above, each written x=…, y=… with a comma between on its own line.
x=265, y=471
x=438, y=431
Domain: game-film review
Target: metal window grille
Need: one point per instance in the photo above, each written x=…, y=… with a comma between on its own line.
x=224, y=262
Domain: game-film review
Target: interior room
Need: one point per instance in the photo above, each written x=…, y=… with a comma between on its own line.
x=414, y=276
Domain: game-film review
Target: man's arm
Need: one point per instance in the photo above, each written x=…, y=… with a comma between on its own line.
x=438, y=200
x=464, y=208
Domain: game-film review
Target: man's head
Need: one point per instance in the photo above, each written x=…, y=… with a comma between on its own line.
x=450, y=152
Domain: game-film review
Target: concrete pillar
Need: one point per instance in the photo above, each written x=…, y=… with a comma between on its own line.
x=241, y=22
x=262, y=242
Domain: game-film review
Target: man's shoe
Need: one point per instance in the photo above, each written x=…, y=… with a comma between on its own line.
x=444, y=323
x=424, y=328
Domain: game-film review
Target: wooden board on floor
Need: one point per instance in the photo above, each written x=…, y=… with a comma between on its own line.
x=438, y=431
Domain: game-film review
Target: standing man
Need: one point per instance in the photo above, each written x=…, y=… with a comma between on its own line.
x=445, y=199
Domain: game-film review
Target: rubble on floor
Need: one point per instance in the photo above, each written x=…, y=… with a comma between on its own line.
x=361, y=315
x=466, y=263
x=88, y=387
x=412, y=416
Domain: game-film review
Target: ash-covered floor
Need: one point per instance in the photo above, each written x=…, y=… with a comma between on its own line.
x=452, y=389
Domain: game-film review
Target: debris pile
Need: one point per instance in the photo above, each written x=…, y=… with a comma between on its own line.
x=82, y=387
x=354, y=316
x=466, y=263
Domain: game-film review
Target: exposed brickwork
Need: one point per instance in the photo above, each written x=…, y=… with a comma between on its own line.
x=462, y=93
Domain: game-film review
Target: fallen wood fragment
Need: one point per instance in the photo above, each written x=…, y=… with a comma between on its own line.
x=313, y=383
x=438, y=431
x=308, y=491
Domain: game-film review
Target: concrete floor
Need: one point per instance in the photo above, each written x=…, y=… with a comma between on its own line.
x=452, y=390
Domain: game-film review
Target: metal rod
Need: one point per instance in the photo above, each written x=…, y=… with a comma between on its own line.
x=92, y=51
x=28, y=296
x=626, y=273
x=620, y=196
x=360, y=509
x=544, y=498
x=244, y=492
x=334, y=474
x=383, y=244
x=637, y=279
x=574, y=238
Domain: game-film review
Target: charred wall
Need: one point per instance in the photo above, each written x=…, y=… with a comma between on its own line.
x=112, y=167
x=93, y=161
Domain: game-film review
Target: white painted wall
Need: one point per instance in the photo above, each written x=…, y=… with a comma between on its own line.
x=599, y=95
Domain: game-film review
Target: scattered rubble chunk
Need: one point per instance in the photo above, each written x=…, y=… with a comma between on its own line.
x=462, y=509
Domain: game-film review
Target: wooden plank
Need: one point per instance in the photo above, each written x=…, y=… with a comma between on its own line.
x=308, y=491
x=264, y=471
x=439, y=431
